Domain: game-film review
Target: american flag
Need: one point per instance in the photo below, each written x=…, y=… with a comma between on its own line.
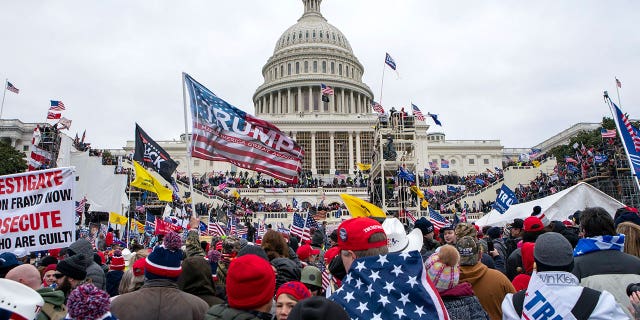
x=326, y=90
x=298, y=227
x=282, y=228
x=262, y=227
x=11, y=88
x=56, y=106
x=241, y=231
x=608, y=133
x=632, y=132
x=38, y=158
x=326, y=276
x=232, y=227
x=215, y=229
x=417, y=113
x=391, y=286
x=437, y=220
x=80, y=206
x=411, y=217
x=377, y=107
x=223, y=132
x=312, y=223
x=463, y=215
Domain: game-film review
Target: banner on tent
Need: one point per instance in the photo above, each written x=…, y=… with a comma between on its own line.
x=37, y=210
x=505, y=199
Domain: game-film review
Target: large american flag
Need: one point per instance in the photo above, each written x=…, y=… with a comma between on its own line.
x=215, y=229
x=437, y=220
x=629, y=137
x=311, y=222
x=11, y=88
x=417, y=113
x=298, y=227
x=377, y=107
x=326, y=90
x=392, y=286
x=56, y=105
x=232, y=227
x=222, y=132
x=37, y=157
x=632, y=131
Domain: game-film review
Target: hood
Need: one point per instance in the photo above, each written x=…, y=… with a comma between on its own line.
x=473, y=273
x=196, y=277
x=287, y=270
x=461, y=290
x=54, y=297
x=82, y=246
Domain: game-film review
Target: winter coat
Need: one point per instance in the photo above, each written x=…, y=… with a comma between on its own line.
x=287, y=270
x=490, y=287
x=224, y=312
x=514, y=261
x=570, y=291
x=429, y=246
x=54, y=307
x=94, y=271
x=196, y=279
x=608, y=270
x=462, y=304
x=158, y=299
x=113, y=278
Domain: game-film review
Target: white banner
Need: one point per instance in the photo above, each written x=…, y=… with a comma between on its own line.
x=37, y=210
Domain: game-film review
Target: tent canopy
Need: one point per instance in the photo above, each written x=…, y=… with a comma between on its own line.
x=557, y=206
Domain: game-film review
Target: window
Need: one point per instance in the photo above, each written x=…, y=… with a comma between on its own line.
x=307, y=36
x=333, y=70
x=334, y=36
x=486, y=161
x=314, y=33
x=289, y=69
x=25, y=148
x=472, y=161
x=340, y=68
x=320, y=34
x=281, y=70
x=306, y=66
x=453, y=161
x=315, y=66
x=347, y=71
x=297, y=67
x=300, y=35
x=324, y=67
x=294, y=37
x=434, y=160
x=275, y=73
x=351, y=72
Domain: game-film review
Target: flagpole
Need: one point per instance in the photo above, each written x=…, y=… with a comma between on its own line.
x=3, y=94
x=128, y=226
x=382, y=82
x=615, y=118
x=188, y=143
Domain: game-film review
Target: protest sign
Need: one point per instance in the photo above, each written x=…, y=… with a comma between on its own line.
x=37, y=210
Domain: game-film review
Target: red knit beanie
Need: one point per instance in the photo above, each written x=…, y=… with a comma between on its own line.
x=251, y=282
x=296, y=289
x=117, y=261
x=521, y=281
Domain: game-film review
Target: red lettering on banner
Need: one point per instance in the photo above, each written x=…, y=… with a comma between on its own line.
x=31, y=221
x=31, y=182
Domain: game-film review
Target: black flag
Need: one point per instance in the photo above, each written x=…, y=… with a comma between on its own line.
x=151, y=155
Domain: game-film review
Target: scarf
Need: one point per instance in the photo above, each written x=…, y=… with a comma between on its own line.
x=599, y=243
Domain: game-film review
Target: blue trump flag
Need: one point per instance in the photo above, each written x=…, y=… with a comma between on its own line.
x=505, y=199
x=480, y=181
x=391, y=286
x=600, y=158
x=406, y=175
x=630, y=139
x=452, y=189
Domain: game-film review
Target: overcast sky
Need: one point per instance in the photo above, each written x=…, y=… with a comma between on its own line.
x=517, y=71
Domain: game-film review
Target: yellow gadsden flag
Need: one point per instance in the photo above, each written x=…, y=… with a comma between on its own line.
x=535, y=163
x=417, y=191
x=137, y=224
x=117, y=218
x=363, y=167
x=360, y=208
x=144, y=180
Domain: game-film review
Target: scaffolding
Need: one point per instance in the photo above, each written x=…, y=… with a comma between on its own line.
x=394, y=149
x=50, y=141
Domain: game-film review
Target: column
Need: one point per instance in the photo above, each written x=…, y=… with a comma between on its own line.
x=332, y=153
x=332, y=103
x=271, y=100
x=342, y=108
x=350, y=150
x=289, y=101
x=279, y=104
x=351, y=101
x=310, y=99
x=313, y=153
x=358, y=158
x=300, y=99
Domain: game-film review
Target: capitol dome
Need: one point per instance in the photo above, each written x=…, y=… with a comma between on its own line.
x=310, y=53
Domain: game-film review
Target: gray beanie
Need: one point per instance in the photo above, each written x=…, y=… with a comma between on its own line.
x=553, y=249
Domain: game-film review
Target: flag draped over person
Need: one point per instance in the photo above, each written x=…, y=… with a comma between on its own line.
x=148, y=152
x=144, y=180
x=223, y=132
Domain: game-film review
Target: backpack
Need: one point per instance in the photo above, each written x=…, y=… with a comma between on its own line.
x=581, y=310
x=53, y=312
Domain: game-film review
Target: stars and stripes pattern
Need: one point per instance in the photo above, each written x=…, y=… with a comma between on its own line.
x=326, y=276
x=392, y=286
x=417, y=113
x=222, y=132
x=12, y=88
x=215, y=229
x=437, y=220
x=53, y=116
x=632, y=132
x=326, y=90
x=411, y=218
x=377, y=107
x=630, y=138
x=38, y=157
x=56, y=106
x=298, y=227
x=463, y=215
x=389, y=61
x=232, y=227
x=80, y=206
x=312, y=223
x=608, y=133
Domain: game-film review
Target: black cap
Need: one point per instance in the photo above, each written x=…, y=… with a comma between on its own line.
x=317, y=308
x=517, y=223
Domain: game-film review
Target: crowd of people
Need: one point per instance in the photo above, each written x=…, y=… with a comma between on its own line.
x=531, y=266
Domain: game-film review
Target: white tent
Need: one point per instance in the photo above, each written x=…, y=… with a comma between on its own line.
x=557, y=206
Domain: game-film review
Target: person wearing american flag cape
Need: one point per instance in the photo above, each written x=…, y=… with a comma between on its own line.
x=382, y=285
